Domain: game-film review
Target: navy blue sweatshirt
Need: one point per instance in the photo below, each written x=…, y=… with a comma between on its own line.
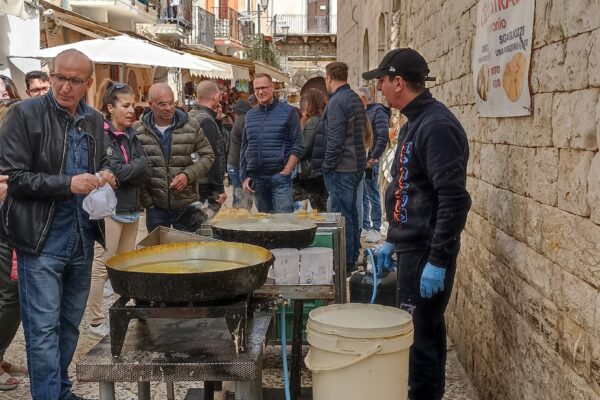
x=380, y=117
x=427, y=201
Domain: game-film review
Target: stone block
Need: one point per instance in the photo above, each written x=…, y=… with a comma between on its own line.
x=570, y=241
x=518, y=166
x=538, y=271
x=542, y=176
x=595, y=363
x=539, y=133
x=574, y=119
x=547, y=29
x=576, y=62
x=593, y=194
x=573, y=174
x=548, y=68
x=494, y=166
x=580, y=16
x=575, y=387
x=580, y=301
x=594, y=59
x=573, y=345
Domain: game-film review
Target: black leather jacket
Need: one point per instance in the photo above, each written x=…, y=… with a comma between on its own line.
x=32, y=153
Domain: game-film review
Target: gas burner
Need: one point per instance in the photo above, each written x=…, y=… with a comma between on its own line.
x=235, y=311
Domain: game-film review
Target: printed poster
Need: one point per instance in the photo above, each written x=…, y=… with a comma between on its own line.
x=501, y=57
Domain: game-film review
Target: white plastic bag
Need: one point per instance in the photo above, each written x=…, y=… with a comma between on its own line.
x=101, y=202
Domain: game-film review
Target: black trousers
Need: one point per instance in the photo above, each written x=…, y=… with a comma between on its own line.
x=10, y=314
x=427, y=365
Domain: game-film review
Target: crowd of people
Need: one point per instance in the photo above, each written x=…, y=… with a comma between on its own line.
x=172, y=162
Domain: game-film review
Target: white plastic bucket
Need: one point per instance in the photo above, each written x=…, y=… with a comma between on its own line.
x=359, y=351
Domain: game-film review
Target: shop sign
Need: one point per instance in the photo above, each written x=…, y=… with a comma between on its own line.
x=501, y=57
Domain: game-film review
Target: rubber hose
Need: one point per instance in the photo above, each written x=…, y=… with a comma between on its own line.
x=286, y=382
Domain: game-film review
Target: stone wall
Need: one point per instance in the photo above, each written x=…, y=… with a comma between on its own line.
x=525, y=311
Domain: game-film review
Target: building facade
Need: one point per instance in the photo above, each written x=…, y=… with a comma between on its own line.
x=524, y=314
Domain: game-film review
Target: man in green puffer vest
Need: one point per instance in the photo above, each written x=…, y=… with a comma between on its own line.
x=180, y=155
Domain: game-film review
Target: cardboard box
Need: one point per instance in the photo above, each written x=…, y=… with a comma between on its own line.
x=162, y=235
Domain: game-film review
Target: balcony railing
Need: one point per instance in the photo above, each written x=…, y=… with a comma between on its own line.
x=203, y=28
x=298, y=24
x=229, y=26
x=170, y=14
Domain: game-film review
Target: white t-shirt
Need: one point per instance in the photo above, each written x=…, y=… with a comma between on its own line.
x=162, y=129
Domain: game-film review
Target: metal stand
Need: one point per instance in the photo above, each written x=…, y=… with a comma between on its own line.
x=172, y=350
x=295, y=378
x=235, y=312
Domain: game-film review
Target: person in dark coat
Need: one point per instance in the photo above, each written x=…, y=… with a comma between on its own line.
x=344, y=160
x=426, y=206
x=204, y=111
x=241, y=199
x=309, y=184
x=379, y=116
x=271, y=147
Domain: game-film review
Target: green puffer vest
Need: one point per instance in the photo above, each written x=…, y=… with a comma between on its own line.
x=191, y=154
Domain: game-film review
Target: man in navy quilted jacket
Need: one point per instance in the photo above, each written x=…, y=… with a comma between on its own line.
x=271, y=147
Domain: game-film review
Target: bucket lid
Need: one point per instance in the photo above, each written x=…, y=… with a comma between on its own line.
x=358, y=320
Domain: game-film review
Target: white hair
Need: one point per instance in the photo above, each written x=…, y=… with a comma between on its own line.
x=364, y=91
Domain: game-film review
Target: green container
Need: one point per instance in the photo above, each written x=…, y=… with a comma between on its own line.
x=308, y=306
x=323, y=239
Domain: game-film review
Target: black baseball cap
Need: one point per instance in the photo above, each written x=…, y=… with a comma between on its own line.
x=405, y=62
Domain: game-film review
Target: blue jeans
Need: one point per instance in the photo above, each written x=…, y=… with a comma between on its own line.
x=274, y=193
x=343, y=189
x=156, y=216
x=371, y=202
x=359, y=203
x=53, y=291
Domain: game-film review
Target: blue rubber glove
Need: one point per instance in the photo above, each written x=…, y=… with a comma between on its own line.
x=384, y=256
x=432, y=280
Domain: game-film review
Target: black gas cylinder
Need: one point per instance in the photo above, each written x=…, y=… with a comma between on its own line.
x=361, y=288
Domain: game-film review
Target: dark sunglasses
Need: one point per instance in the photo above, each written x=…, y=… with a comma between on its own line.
x=117, y=86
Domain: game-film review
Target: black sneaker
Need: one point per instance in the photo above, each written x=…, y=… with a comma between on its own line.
x=350, y=268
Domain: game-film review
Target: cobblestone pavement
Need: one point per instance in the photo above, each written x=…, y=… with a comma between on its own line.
x=458, y=385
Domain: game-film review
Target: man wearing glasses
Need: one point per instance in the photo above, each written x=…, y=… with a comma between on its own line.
x=271, y=147
x=52, y=149
x=180, y=155
x=37, y=82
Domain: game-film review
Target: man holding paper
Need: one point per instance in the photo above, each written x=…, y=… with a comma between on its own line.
x=51, y=148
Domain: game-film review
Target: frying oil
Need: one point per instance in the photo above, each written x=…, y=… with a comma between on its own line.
x=186, y=266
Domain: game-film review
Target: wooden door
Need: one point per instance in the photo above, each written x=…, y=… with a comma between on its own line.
x=317, y=12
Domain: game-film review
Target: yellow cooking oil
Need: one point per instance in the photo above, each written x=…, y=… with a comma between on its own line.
x=186, y=266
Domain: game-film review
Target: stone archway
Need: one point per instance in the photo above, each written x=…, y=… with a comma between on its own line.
x=132, y=81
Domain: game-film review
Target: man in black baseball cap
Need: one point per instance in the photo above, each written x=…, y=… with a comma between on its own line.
x=426, y=207
x=407, y=63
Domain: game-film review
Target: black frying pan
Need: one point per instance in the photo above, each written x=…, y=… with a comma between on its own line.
x=271, y=232
x=182, y=272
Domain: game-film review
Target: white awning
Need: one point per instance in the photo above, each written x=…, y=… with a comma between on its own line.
x=13, y=7
x=126, y=50
x=229, y=71
x=276, y=74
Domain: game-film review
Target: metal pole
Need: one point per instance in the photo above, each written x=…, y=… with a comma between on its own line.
x=123, y=68
x=258, y=11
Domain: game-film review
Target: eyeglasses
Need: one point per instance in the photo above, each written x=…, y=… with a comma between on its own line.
x=262, y=88
x=39, y=90
x=60, y=80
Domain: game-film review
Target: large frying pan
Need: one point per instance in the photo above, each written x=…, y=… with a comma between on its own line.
x=272, y=232
x=182, y=272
